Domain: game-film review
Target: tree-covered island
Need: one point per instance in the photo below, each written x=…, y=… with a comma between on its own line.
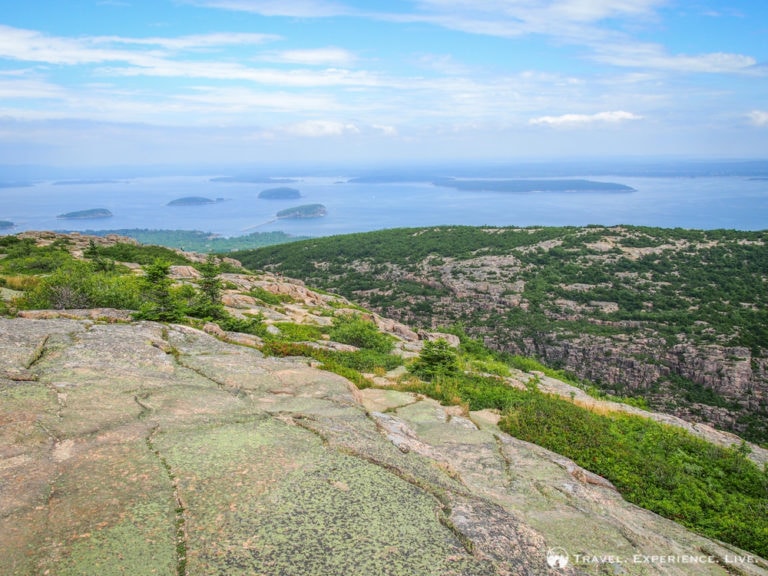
x=304, y=211
x=281, y=193
x=91, y=214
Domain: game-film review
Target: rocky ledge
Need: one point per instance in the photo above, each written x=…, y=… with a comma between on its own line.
x=141, y=448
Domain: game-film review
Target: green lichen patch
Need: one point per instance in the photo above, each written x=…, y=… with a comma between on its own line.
x=138, y=545
x=342, y=515
x=22, y=404
x=109, y=511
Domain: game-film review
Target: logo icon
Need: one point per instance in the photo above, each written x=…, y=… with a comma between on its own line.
x=557, y=557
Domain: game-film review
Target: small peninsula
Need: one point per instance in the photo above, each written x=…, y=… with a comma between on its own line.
x=193, y=201
x=281, y=193
x=91, y=214
x=304, y=211
x=554, y=185
x=6, y=224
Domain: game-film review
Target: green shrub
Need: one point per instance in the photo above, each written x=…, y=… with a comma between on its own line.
x=76, y=285
x=356, y=331
x=437, y=358
x=39, y=261
x=144, y=255
x=253, y=325
x=158, y=299
x=291, y=332
x=269, y=297
x=712, y=490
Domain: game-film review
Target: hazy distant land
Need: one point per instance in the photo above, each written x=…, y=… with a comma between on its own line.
x=282, y=193
x=533, y=185
x=16, y=184
x=253, y=180
x=6, y=224
x=193, y=201
x=86, y=182
x=93, y=213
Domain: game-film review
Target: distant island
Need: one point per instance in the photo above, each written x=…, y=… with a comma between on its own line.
x=555, y=185
x=6, y=224
x=86, y=182
x=282, y=193
x=91, y=214
x=193, y=201
x=304, y=211
x=253, y=180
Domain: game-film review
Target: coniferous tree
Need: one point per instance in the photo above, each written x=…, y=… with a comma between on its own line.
x=159, y=300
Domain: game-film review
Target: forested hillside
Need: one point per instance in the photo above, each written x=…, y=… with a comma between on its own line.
x=678, y=317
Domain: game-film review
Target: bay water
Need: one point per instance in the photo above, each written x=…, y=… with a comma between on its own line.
x=686, y=202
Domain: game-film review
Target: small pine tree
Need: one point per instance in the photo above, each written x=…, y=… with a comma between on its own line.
x=208, y=302
x=437, y=358
x=159, y=301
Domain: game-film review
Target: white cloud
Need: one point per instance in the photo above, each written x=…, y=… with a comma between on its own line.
x=320, y=128
x=192, y=42
x=759, y=117
x=28, y=89
x=655, y=57
x=34, y=46
x=585, y=119
x=330, y=56
x=568, y=20
x=234, y=100
x=232, y=71
x=386, y=130
x=291, y=8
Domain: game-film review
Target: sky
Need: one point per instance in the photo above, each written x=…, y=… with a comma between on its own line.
x=106, y=82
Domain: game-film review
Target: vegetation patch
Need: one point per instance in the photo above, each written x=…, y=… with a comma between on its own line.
x=641, y=293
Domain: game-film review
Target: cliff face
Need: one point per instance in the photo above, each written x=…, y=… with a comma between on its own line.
x=143, y=448
x=736, y=378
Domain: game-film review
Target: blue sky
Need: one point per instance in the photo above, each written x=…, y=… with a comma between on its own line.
x=343, y=81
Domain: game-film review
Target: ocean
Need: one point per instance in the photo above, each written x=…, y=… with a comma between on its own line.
x=734, y=202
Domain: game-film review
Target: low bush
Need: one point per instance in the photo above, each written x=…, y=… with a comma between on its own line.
x=357, y=331
x=76, y=285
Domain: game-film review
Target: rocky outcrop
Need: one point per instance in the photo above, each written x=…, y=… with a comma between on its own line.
x=141, y=448
x=736, y=378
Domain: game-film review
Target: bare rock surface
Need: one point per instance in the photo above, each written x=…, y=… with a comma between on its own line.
x=140, y=448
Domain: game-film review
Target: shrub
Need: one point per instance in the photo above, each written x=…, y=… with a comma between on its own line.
x=356, y=331
x=437, y=358
x=254, y=326
x=75, y=285
x=159, y=302
x=269, y=297
x=291, y=332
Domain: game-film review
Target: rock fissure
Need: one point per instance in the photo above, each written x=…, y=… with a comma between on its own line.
x=38, y=353
x=507, y=465
x=180, y=523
